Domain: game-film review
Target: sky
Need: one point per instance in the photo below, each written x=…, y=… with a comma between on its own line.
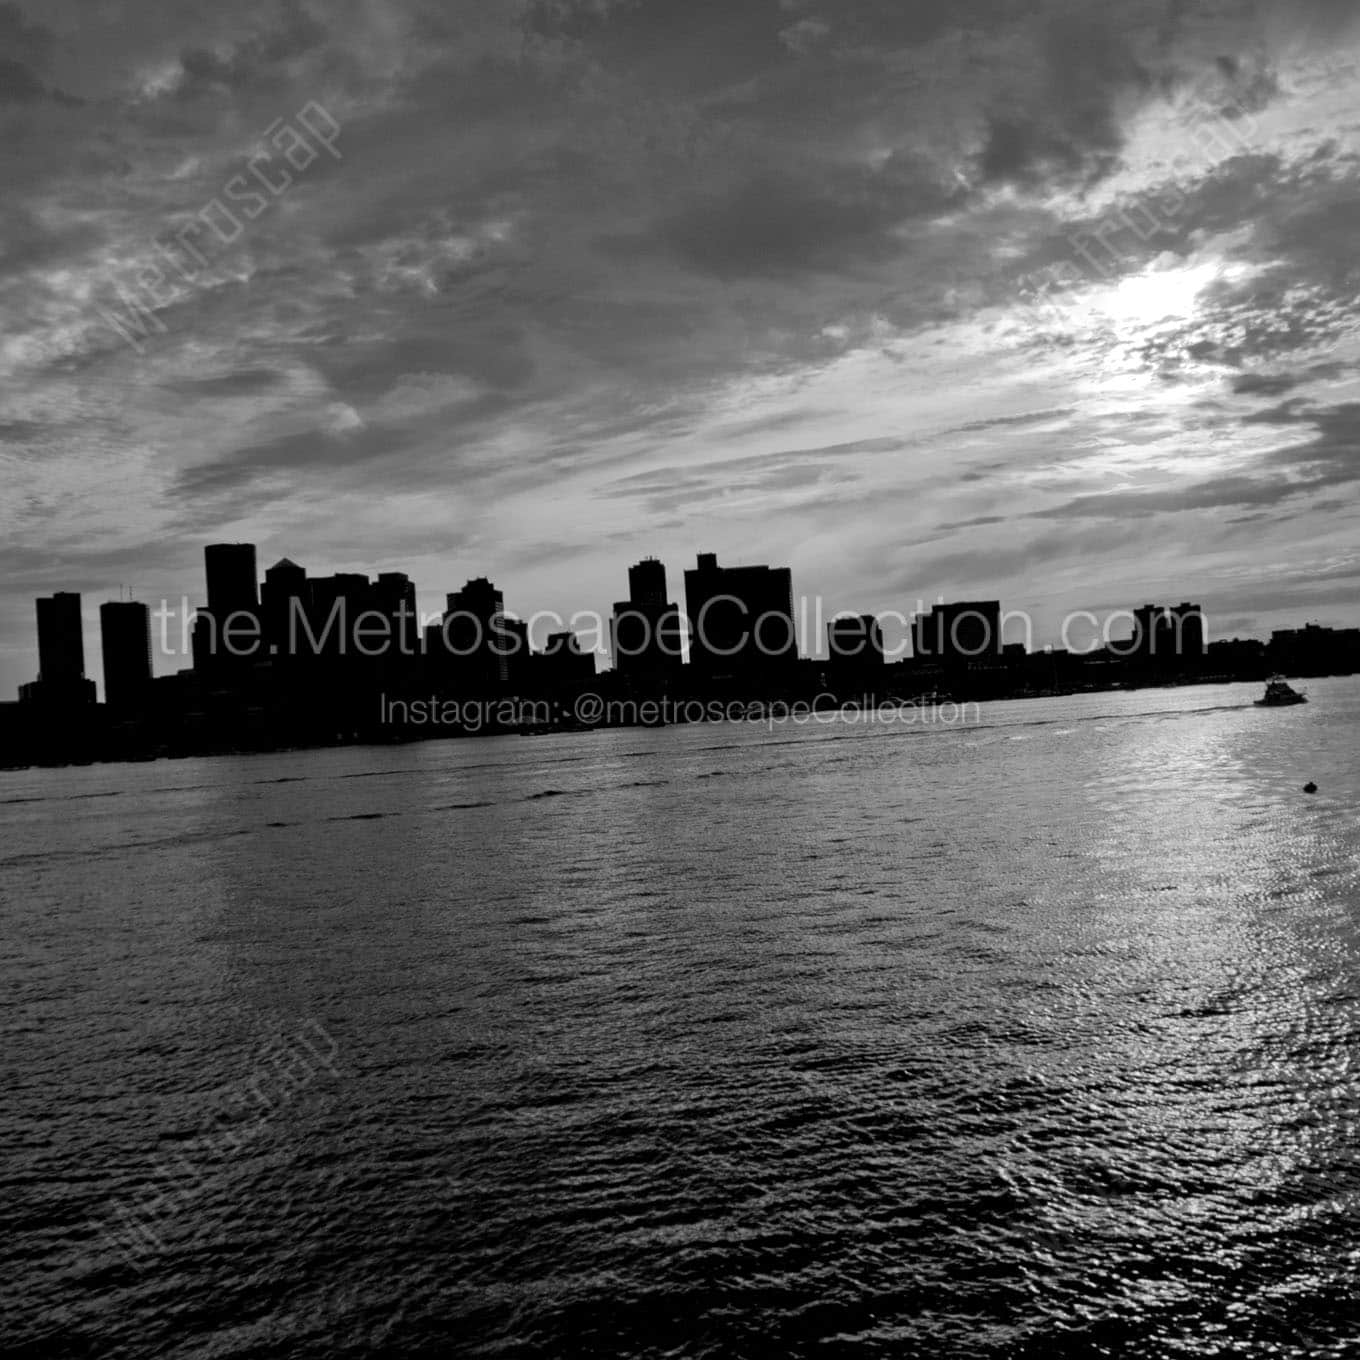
x=1051, y=302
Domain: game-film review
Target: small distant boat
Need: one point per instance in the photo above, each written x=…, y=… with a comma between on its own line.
x=1279, y=694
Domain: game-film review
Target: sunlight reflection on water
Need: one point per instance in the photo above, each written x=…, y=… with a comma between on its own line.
x=1037, y=1037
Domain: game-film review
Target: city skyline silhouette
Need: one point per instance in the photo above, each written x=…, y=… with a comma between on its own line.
x=282, y=658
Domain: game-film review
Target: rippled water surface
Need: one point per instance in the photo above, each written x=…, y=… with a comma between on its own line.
x=1033, y=1037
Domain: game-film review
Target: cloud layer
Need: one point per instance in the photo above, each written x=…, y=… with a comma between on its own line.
x=1050, y=300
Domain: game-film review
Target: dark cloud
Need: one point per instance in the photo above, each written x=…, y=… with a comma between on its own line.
x=1276, y=384
x=23, y=40
x=779, y=225
x=978, y=522
x=1332, y=456
x=242, y=383
x=21, y=431
x=321, y=456
x=28, y=243
x=964, y=570
x=681, y=46
x=1071, y=125
x=493, y=352
x=1216, y=493
x=19, y=85
x=81, y=566
x=1330, y=459
x=1002, y=422
x=262, y=59
x=1319, y=22
x=1246, y=88
x=272, y=461
x=675, y=488
x=1295, y=411
x=864, y=24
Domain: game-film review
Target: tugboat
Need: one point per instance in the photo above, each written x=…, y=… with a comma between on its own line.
x=1279, y=694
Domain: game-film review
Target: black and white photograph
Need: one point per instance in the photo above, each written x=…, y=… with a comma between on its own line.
x=679, y=679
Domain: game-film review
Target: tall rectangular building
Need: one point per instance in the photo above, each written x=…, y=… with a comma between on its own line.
x=125, y=636
x=1188, y=631
x=394, y=596
x=1167, y=636
x=855, y=641
x=740, y=619
x=1149, y=631
x=232, y=584
x=562, y=664
x=61, y=679
x=61, y=643
x=285, y=599
x=647, y=582
x=646, y=636
x=338, y=603
x=968, y=632
x=226, y=637
x=476, y=648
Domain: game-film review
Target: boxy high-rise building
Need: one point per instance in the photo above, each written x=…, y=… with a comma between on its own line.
x=475, y=648
x=647, y=582
x=61, y=654
x=226, y=635
x=1168, y=637
x=1190, y=634
x=125, y=636
x=855, y=641
x=232, y=583
x=285, y=600
x=61, y=642
x=740, y=619
x=960, y=634
x=645, y=633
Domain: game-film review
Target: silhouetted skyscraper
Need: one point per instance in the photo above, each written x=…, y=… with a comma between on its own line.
x=647, y=582
x=855, y=642
x=1168, y=637
x=61, y=679
x=740, y=619
x=1315, y=650
x=476, y=644
x=1149, y=632
x=646, y=634
x=284, y=601
x=958, y=634
x=338, y=603
x=227, y=637
x=125, y=636
x=232, y=584
x=1188, y=640
x=512, y=653
x=61, y=642
x=394, y=596
x=286, y=577
x=562, y=665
